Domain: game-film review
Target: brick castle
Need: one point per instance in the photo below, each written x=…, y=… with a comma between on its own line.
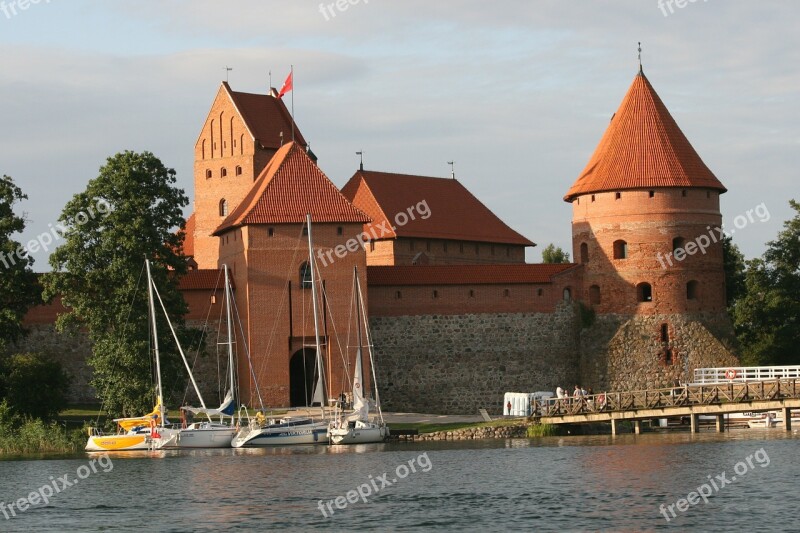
x=457, y=316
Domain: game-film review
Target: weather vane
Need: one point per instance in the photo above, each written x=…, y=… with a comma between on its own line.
x=452, y=169
x=640, y=56
x=227, y=70
x=360, y=154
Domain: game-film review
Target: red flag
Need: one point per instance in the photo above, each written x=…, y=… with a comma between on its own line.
x=287, y=85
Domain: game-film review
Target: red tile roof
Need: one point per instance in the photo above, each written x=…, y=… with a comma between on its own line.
x=289, y=187
x=454, y=213
x=643, y=147
x=266, y=117
x=205, y=279
x=188, y=240
x=464, y=274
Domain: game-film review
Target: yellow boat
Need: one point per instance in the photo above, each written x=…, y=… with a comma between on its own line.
x=134, y=434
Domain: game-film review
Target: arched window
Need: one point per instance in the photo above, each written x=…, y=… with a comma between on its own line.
x=305, y=275
x=691, y=290
x=203, y=148
x=238, y=170
x=223, y=172
x=644, y=292
x=223, y=208
x=584, y=253
x=567, y=294
x=594, y=295
x=620, y=249
x=208, y=173
x=678, y=242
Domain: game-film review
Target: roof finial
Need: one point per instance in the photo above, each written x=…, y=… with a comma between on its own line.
x=452, y=169
x=227, y=70
x=360, y=153
x=640, y=58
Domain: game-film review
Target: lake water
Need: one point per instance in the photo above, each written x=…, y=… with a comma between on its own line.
x=549, y=484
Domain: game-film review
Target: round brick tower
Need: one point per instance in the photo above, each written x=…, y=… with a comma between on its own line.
x=646, y=227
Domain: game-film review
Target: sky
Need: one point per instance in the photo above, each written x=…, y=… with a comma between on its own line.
x=516, y=92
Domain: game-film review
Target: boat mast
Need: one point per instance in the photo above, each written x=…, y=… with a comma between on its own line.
x=319, y=389
x=371, y=353
x=230, y=321
x=159, y=392
x=359, y=353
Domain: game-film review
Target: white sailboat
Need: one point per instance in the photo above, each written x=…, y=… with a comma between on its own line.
x=357, y=427
x=139, y=433
x=207, y=433
x=293, y=430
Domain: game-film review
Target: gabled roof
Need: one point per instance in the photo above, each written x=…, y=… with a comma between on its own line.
x=289, y=187
x=465, y=274
x=643, y=147
x=453, y=212
x=203, y=279
x=265, y=117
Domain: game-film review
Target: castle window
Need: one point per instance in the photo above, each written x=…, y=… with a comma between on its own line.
x=208, y=173
x=664, y=332
x=684, y=193
x=644, y=292
x=471, y=294
x=567, y=294
x=506, y=293
x=652, y=194
x=584, y=252
x=238, y=169
x=620, y=249
x=668, y=357
x=593, y=197
x=223, y=208
x=223, y=172
x=691, y=290
x=398, y=295
x=339, y=230
x=371, y=246
x=618, y=195
x=435, y=294
x=305, y=231
x=539, y=292
x=594, y=295
x=305, y=275
x=271, y=232
x=678, y=242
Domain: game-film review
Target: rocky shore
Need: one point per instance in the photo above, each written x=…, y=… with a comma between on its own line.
x=486, y=432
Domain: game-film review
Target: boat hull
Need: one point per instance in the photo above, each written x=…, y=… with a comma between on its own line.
x=364, y=435
x=281, y=435
x=117, y=443
x=212, y=437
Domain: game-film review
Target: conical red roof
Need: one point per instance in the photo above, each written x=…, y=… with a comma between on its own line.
x=643, y=147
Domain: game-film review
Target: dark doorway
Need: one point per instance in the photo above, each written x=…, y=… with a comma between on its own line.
x=301, y=377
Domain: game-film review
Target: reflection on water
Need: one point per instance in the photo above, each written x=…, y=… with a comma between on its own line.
x=546, y=484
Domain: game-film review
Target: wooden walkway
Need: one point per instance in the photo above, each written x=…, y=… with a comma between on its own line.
x=691, y=401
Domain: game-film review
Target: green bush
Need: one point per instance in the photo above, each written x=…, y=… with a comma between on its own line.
x=542, y=430
x=34, y=386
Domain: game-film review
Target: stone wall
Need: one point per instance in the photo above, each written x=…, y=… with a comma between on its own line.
x=461, y=363
x=624, y=352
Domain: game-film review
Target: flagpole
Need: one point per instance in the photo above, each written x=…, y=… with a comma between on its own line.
x=292, y=74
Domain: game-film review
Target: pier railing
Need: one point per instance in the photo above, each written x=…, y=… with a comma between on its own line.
x=717, y=393
x=743, y=374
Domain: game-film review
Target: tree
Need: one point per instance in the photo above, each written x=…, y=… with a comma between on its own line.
x=554, y=254
x=126, y=214
x=767, y=316
x=18, y=287
x=25, y=376
x=735, y=270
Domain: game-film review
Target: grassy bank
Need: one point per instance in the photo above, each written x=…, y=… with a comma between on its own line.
x=38, y=437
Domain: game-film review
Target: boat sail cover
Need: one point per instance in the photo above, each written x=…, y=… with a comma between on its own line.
x=227, y=408
x=128, y=424
x=360, y=405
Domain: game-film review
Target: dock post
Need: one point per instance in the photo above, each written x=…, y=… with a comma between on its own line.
x=787, y=418
x=695, y=425
x=637, y=427
x=720, y=423
x=613, y=427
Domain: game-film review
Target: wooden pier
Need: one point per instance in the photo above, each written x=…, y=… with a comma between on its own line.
x=717, y=399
